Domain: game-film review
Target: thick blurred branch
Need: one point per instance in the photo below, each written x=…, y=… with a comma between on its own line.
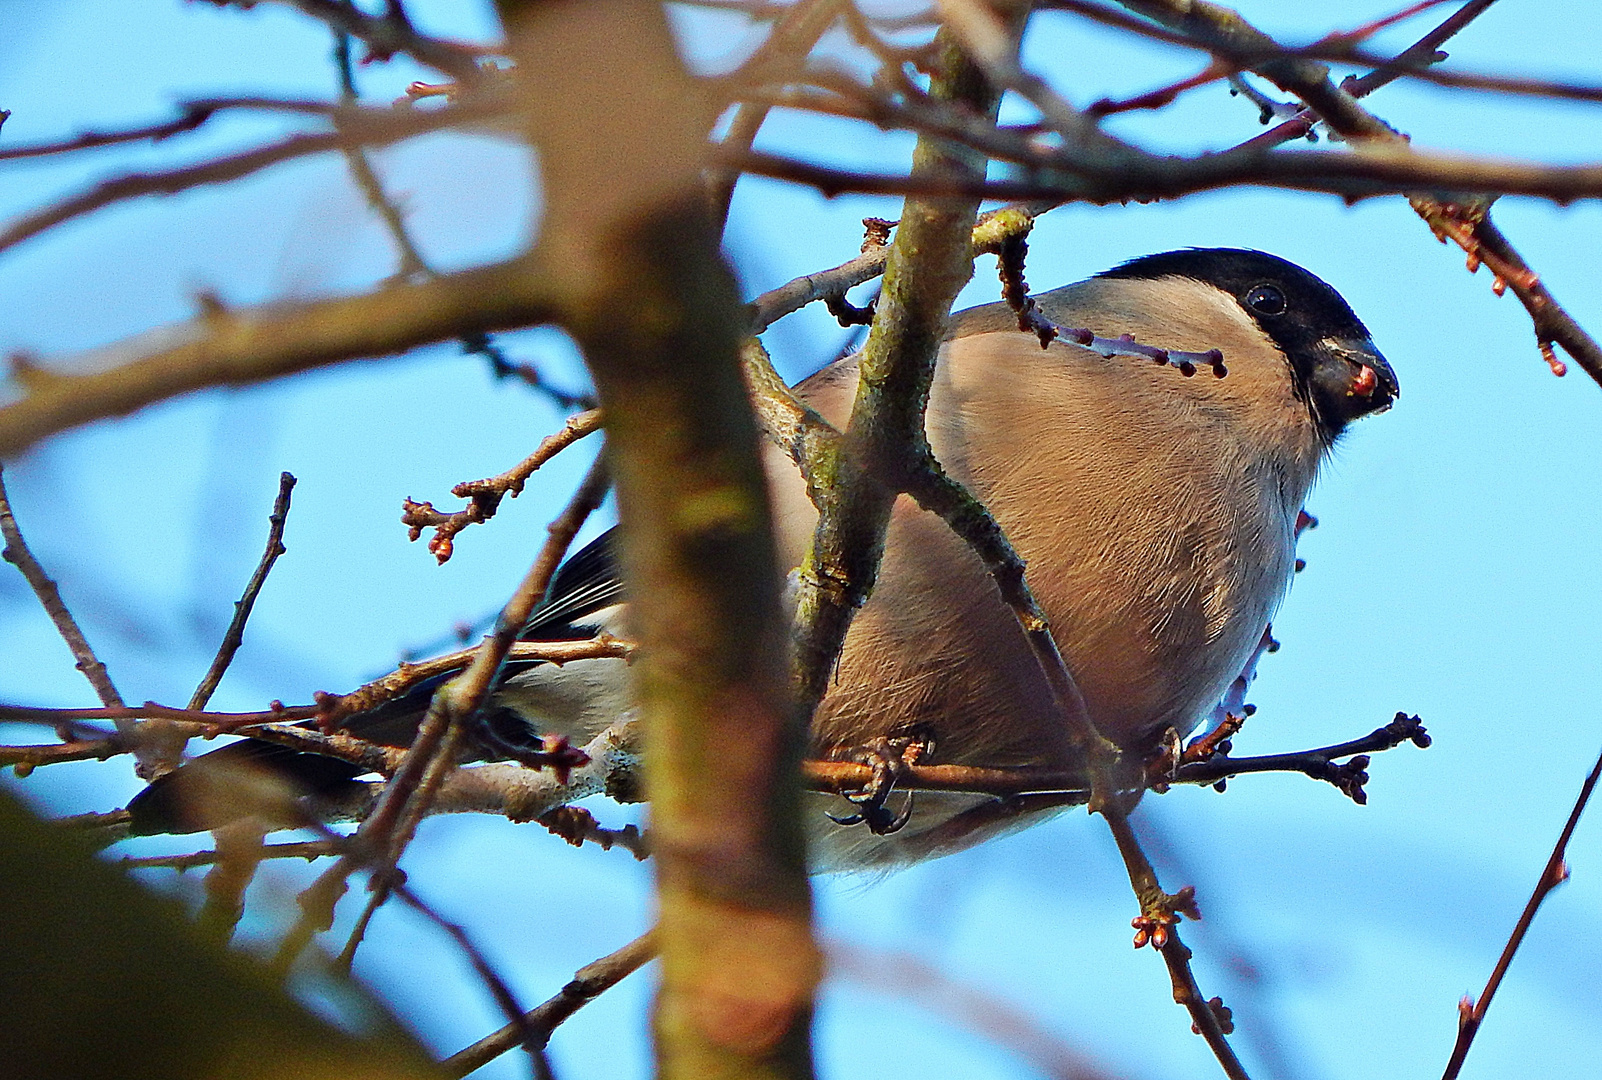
x=233, y=348
x=655, y=311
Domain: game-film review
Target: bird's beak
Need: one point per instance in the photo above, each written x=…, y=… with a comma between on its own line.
x=1370, y=380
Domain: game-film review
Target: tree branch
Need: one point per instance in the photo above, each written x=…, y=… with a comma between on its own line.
x=235, y=636
x=365, y=127
x=486, y=495
x=1471, y=1013
x=390, y=33
x=589, y=983
x=233, y=348
x=17, y=554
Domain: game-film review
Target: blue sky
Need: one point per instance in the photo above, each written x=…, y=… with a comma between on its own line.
x=1454, y=573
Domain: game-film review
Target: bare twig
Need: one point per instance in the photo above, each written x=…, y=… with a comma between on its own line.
x=17, y=554
x=486, y=495
x=362, y=172
x=359, y=129
x=1471, y=228
x=530, y=1037
x=217, y=721
x=910, y=977
x=587, y=984
x=390, y=33
x=24, y=759
x=793, y=36
x=191, y=115
x=1471, y=1013
x=577, y=825
x=332, y=710
x=1353, y=174
x=1318, y=764
x=300, y=849
x=235, y=635
x=1156, y=924
x=1240, y=54
x=504, y=368
x=1462, y=220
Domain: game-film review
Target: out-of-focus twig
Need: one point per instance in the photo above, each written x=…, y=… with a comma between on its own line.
x=911, y=978
x=1470, y=1012
x=587, y=984
x=363, y=128
x=191, y=115
x=794, y=34
x=300, y=849
x=390, y=33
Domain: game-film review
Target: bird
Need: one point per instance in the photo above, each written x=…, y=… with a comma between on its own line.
x=1156, y=506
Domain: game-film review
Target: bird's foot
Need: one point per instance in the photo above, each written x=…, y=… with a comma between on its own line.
x=889, y=757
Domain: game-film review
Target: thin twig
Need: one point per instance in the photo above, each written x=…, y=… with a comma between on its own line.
x=529, y=1036
x=577, y=825
x=587, y=984
x=1318, y=764
x=486, y=495
x=17, y=554
x=1157, y=925
x=366, y=178
x=243, y=606
x=191, y=115
x=1240, y=55
x=366, y=128
x=1556, y=872
x=300, y=849
x=911, y=978
x=217, y=721
x=24, y=759
x=332, y=710
x=391, y=33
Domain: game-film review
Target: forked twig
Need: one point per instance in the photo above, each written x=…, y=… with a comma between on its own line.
x=485, y=495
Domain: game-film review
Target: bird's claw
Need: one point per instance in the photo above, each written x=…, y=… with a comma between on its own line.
x=889, y=757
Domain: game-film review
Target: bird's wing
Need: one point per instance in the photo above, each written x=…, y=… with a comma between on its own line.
x=587, y=583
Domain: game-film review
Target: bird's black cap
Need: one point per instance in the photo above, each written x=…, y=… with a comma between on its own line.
x=1335, y=367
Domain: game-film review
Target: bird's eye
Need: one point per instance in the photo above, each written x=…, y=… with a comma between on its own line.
x=1265, y=300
